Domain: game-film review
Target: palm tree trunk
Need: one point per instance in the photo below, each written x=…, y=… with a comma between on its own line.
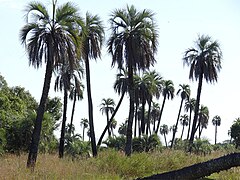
x=73, y=109
x=160, y=116
x=136, y=120
x=164, y=134
x=83, y=132
x=215, y=134
x=90, y=109
x=128, y=147
x=182, y=131
x=143, y=117
x=62, y=138
x=148, y=119
x=109, y=132
x=176, y=126
x=33, y=150
x=189, y=125
x=196, y=110
x=111, y=119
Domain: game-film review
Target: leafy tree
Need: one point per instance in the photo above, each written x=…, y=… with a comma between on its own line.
x=107, y=106
x=92, y=38
x=185, y=94
x=164, y=131
x=216, y=122
x=205, y=62
x=133, y=43
x=51, y=39
x=235, y=132
x=168, y=93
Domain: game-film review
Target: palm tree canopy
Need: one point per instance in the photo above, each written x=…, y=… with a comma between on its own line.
x=121, y=83
x=84, y=122
x=184, y=90
x=133, y=39
x=48, y=36
x=216, y=120
x=164, y=129
x=184, y=120
x=168, y=89
x=204, y=59
x=203, y=116
x=107, y=105
x=92, y=36
x=190, y=104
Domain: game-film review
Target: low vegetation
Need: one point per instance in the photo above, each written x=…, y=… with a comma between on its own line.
x=110, y=164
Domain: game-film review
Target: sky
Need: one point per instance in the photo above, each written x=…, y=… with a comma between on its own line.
x=179, y=25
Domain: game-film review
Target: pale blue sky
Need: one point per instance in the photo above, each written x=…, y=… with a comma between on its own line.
x=179, y=23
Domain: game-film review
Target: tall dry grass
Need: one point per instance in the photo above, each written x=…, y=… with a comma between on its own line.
x=108, y=165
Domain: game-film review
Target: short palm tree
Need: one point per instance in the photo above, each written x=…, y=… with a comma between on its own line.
x=133, y=43
x=92, y=39
x=205, y=62
x=184, y=122
x=184, y=91
x=155, y=112
x=216, y=122
x=203, y=117
x=107, y=106
x=164, y=131
x=84, y=123
x=189, y=106
x=168, y=93
x=50, y=39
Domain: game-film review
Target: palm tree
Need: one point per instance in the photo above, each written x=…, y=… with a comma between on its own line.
x=132, y=44
x=92, y=38
x=155, y=114
x=203, y=117
x=205, y=62
x=216, y=122
x=50, y=39
x=164, y=131
x=113, y=126
x=121, y=87
x=189, y=106
x=107, y=106
x=184, y=122
x=168, y=93
x=185, y=94
x=84, y=123
x=154, y=86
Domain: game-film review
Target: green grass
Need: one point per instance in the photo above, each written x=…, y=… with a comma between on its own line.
x=108, y=165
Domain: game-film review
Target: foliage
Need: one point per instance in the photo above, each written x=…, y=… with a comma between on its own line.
x=202, y=147
x=117, y=143
x=235, y=132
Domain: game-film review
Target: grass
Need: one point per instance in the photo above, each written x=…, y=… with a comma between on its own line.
x=108, y=165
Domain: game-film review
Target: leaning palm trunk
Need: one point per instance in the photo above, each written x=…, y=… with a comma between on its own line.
x=160, y=116
x=110, y=121
x=189, y=125
x=33, y=150
x=90, y=108
x=196, y=110
x=62, y=138
x=200, y=170
x=174, y=132
x=73, y=110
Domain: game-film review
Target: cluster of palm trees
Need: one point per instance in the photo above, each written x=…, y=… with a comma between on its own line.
x=66, y=42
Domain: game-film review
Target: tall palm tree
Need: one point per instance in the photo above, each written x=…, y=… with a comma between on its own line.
x=203, y=117
x=132, y=44
x=189, y=106
x=154, y=86
x=107, y=106
x=184, y=90
x=205, y=62
x=164, y=131
x=50, y=39
x=121, y=87
x=168, y=93
x=92, y=38
x=84, y=123
x=216, y=122
x=184, y=122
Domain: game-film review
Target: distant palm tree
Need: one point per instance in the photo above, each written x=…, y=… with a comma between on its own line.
x=51, y=39
x=203, y=117
x=92, y=36
x=107, y=106
x=184, y=122
x=164, y=131
x=185, y=94
x=205, y=62
x=155, y=114
x=132, y=44
x=113, y=126
x=84, y=123
x=216, y=122
x=189, y=106
x=168, y=93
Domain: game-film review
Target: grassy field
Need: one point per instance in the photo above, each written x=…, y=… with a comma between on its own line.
x=108, y=165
